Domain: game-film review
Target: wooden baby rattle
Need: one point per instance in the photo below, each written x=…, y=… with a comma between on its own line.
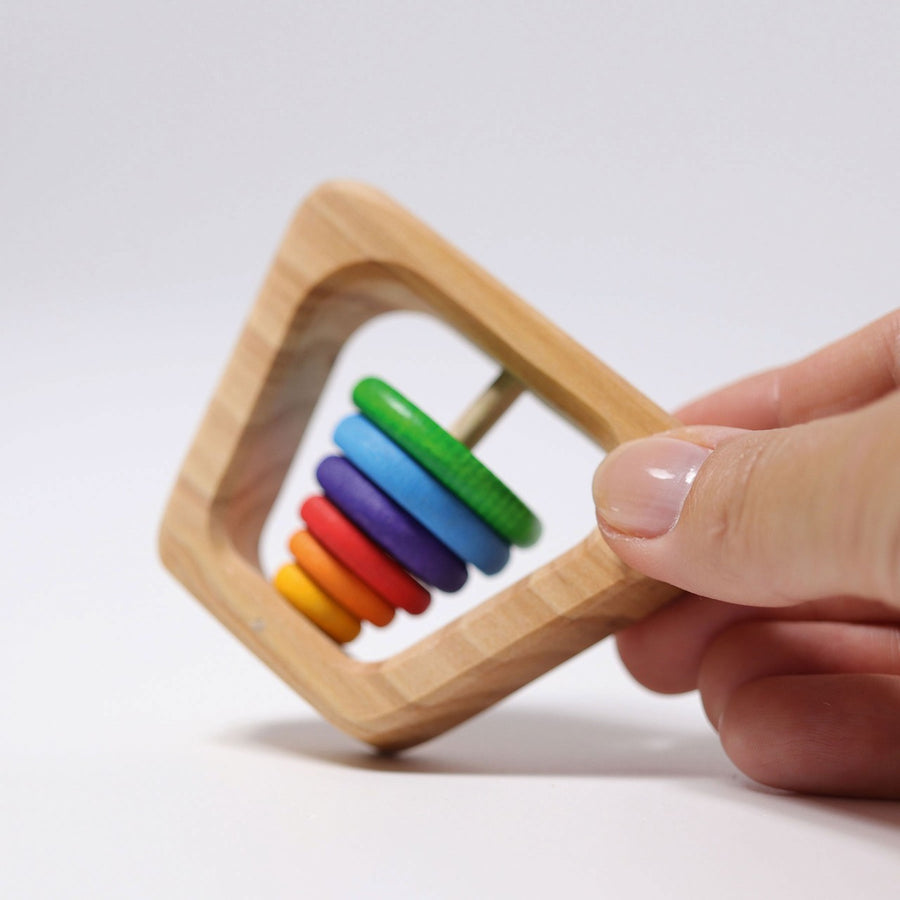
x=405, y=496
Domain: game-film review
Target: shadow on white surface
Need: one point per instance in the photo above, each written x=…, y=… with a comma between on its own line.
x=561, y=743
x=515, y=742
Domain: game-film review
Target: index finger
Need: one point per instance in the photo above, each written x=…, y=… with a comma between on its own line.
x=843, y=376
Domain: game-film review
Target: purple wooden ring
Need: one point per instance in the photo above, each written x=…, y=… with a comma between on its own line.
x=390, y=526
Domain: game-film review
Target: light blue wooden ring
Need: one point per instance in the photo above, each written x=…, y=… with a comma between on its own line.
x=421, y=495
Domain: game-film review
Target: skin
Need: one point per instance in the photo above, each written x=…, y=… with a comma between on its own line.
x=788, y=552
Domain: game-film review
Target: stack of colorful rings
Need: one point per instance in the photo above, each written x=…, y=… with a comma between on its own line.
x=406, y=506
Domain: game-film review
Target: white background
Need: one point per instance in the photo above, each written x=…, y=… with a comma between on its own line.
x=694, y=190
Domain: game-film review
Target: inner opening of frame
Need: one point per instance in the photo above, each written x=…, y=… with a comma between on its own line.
x=547, y=462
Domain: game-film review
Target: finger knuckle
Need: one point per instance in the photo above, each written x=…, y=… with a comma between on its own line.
x=872, y=518
x=741, y=525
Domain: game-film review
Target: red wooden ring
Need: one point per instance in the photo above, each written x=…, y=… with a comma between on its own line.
x=349, y=545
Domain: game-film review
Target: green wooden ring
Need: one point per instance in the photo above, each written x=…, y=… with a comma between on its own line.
x=450, y=461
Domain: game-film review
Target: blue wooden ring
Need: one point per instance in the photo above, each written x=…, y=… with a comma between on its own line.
x=420, y=494
x=390, y=526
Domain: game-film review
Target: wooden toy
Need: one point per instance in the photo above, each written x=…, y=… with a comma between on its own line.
x=349, y=254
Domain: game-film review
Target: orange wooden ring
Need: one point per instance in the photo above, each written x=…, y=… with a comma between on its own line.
x=338, y=581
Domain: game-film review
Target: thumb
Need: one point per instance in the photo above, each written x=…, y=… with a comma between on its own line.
x=762, y=517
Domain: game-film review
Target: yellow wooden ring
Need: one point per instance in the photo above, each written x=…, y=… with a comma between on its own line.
x=296, y=586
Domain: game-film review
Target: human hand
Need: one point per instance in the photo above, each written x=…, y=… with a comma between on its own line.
x=777, y=511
